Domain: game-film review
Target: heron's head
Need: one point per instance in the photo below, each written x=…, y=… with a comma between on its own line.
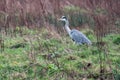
x=63, y=18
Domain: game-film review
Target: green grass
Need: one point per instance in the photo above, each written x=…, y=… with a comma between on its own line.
x=44, y=57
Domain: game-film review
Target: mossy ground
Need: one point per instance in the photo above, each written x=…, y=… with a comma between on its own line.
x=37, y=55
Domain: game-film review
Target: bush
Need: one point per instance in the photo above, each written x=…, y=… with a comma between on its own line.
x=117, y=40
x=77, y=16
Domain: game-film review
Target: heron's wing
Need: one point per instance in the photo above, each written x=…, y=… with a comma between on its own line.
x=79, y=37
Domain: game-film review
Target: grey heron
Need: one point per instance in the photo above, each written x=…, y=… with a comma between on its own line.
x=77, y=36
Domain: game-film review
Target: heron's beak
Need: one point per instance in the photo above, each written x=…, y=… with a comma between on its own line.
x=60, y=19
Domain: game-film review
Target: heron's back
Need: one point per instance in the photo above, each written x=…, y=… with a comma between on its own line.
x=79, y=37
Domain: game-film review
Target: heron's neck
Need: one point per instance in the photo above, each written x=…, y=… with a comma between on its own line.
x=67, y=27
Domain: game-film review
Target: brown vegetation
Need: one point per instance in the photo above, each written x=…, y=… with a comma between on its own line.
x=33, y=13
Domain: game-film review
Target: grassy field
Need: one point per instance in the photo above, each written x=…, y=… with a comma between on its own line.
x=39, y=55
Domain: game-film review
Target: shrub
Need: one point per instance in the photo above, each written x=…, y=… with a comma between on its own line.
x=117, y=40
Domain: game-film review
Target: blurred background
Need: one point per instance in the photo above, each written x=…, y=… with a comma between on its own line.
x=81, y=13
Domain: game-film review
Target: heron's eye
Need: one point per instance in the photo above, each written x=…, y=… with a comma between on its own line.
x=64, y=17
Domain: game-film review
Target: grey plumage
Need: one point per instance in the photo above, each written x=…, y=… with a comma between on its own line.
x=77, y=36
